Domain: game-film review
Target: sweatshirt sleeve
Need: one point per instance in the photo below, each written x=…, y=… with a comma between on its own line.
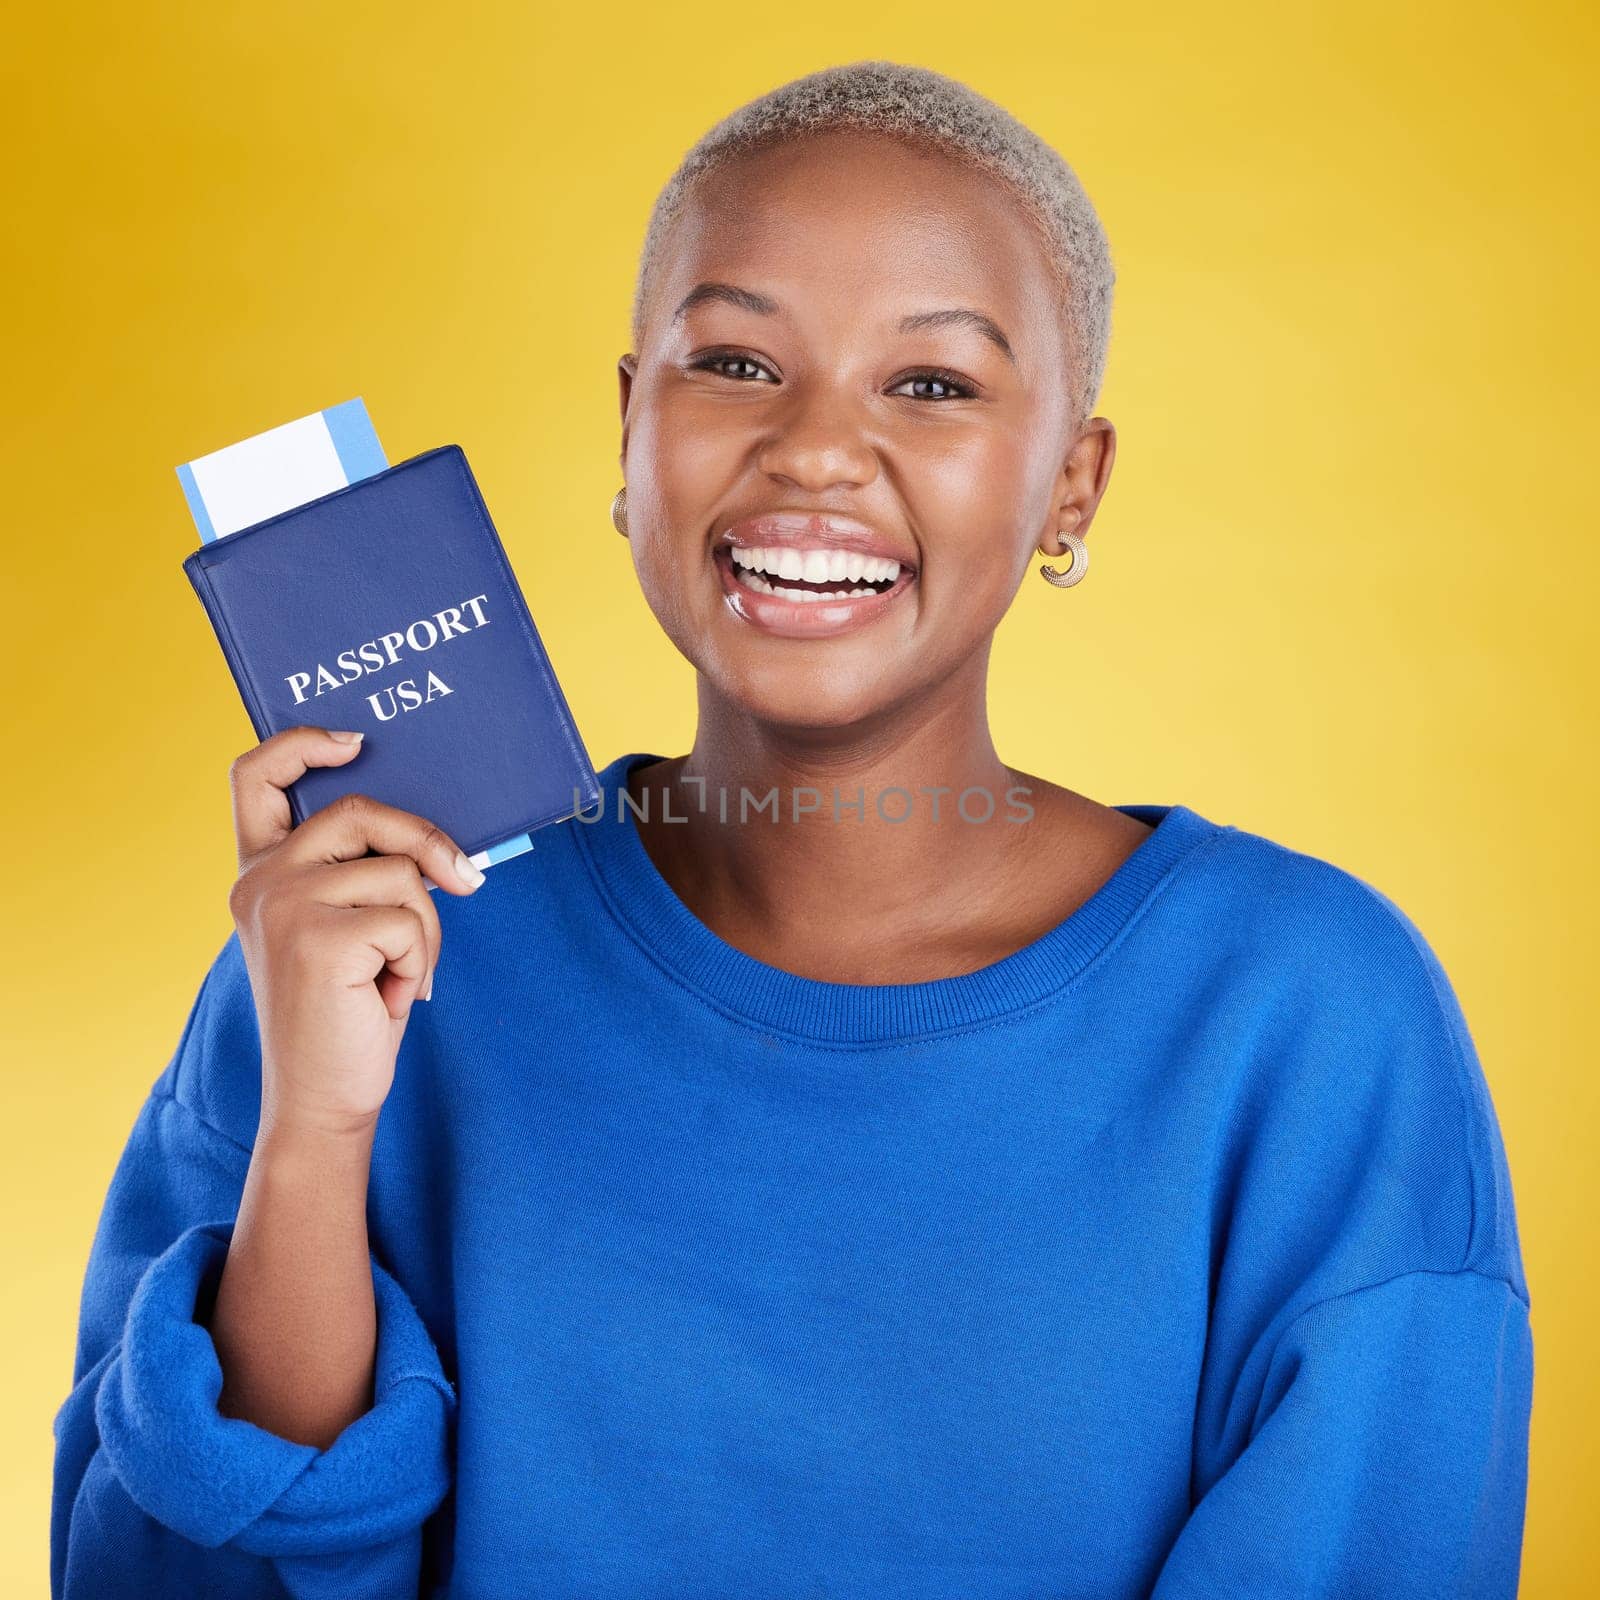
x=157, y=1493
x=1389, y=1458
x=1361, y=1427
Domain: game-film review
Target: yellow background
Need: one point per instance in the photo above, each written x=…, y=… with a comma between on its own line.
x=1343, y=583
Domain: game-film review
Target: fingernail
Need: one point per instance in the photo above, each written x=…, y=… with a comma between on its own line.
x=427, y=993
x=345, y=737
x=466, y=870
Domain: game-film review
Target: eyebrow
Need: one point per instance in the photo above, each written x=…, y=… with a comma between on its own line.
x=961, y=316
x=763, y=306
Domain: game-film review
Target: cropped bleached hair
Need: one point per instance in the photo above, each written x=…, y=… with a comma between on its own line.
x=932, y=111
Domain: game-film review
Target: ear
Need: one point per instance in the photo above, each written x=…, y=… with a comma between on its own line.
x=627, y=366
x=1082, y=482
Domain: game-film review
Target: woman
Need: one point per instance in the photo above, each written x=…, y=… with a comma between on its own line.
x=842, y=1164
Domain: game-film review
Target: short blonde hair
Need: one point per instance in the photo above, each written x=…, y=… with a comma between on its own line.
x=931, y=110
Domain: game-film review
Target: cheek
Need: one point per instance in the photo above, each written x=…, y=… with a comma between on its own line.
x=677, y=469
x=684, y=459
x=972, y=500
x=660, y=564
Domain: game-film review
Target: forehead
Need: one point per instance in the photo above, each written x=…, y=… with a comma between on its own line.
x=845, y=226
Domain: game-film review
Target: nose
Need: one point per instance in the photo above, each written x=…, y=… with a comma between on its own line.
x=817, y=443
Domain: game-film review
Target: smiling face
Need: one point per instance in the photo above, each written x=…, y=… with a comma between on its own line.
x=852, y=382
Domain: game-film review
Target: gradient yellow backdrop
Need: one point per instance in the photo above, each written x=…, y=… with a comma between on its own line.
x=1343, y=582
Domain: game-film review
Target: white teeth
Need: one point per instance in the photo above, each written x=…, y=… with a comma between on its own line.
x=816, y=566
x=808, y=595
x=754, y=580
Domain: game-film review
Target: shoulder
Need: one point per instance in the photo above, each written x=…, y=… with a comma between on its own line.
x=214, y=1073
x=1316, y=929
x=1357, y=1072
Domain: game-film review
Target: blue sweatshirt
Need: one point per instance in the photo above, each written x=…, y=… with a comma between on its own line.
x=1173, y=1255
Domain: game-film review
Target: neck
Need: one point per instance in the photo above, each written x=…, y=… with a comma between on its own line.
x=793, y=841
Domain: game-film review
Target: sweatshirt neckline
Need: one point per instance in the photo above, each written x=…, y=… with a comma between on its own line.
x=671, y=935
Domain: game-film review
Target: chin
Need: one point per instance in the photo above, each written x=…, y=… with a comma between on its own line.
x=823, y=699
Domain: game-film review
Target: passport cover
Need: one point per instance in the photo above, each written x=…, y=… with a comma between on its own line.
x=389, y=606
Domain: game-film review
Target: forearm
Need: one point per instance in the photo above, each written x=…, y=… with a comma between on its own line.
x=295, y=1323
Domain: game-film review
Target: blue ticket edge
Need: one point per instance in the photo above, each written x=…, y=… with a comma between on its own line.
x=355, y=442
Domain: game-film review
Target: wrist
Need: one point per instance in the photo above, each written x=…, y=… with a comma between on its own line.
x=290, y=1144
x=312, y=1120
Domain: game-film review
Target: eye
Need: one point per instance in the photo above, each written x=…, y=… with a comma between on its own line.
x=962, y=390
x=746, y=369
x=720, y=361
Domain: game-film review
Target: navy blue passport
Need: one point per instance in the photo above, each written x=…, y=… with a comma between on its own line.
x=389, y=606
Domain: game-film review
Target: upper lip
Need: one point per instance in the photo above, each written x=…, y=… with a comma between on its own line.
x=812, y=530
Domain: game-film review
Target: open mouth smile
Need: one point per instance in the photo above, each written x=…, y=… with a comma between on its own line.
x=809, y=577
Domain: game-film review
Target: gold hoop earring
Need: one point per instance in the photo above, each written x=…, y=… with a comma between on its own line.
x=1080, y=563
x=619, y=511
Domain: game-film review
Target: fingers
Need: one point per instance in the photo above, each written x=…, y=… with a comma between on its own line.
x=384, y=881
x=396, y=933
x=349, y=827
x=258, y=778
